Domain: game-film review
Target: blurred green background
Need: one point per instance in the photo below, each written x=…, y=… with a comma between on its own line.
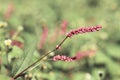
x=45, y=17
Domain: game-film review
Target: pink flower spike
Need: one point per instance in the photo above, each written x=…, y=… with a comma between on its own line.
x=63, y=58
x=64, y=26
x=9, y=11
x=98, y=27
x=84, y=30
x=43, y=37
x=17, y=43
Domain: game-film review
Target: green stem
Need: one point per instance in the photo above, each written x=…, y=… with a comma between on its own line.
x=19, y=74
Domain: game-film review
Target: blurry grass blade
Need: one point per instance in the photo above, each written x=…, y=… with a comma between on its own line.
x=25, y=60
x=4, y=77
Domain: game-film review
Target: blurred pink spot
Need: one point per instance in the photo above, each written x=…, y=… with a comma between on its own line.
x=17, y=43
x=11, y=33
x=43, y=37
x=64, y=25
x=80, y=55
x=9, y=11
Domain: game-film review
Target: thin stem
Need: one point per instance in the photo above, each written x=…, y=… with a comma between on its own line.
x=7, y=54
x=58, y=46
x=7, y=58
x=16, y=76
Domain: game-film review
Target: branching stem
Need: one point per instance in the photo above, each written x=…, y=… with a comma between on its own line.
x=57, y=47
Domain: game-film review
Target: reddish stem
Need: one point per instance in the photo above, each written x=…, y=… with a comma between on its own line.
x=19, y=74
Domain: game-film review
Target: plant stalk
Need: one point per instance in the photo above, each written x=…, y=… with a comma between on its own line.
x=19, y=74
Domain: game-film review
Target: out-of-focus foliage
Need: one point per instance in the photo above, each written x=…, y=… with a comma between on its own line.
x=26, y=20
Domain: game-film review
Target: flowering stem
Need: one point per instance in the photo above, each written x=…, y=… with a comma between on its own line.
x=57, y=47
x=70, y=34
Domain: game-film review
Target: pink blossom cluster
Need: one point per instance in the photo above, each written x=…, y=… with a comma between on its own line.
x=63, y=58
x=84, y=30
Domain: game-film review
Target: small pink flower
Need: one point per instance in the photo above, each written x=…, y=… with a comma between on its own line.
x=58, y=47
x=63, y=58
x=84, y=30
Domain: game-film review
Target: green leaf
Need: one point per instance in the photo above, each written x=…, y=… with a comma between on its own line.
x=25, y=60
x=17, y=52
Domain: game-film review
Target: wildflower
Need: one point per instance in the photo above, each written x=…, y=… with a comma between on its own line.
x=64, y=26
x=8, y=42
x=9, y=11
x=3, y=24
x=43, y=37
x=17, y=43
x=84, y=30
x=63, y=58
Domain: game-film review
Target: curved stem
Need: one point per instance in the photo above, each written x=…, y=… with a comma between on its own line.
x=19, y=74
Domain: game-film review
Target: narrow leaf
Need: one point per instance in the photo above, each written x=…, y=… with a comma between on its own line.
x=26, y=58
